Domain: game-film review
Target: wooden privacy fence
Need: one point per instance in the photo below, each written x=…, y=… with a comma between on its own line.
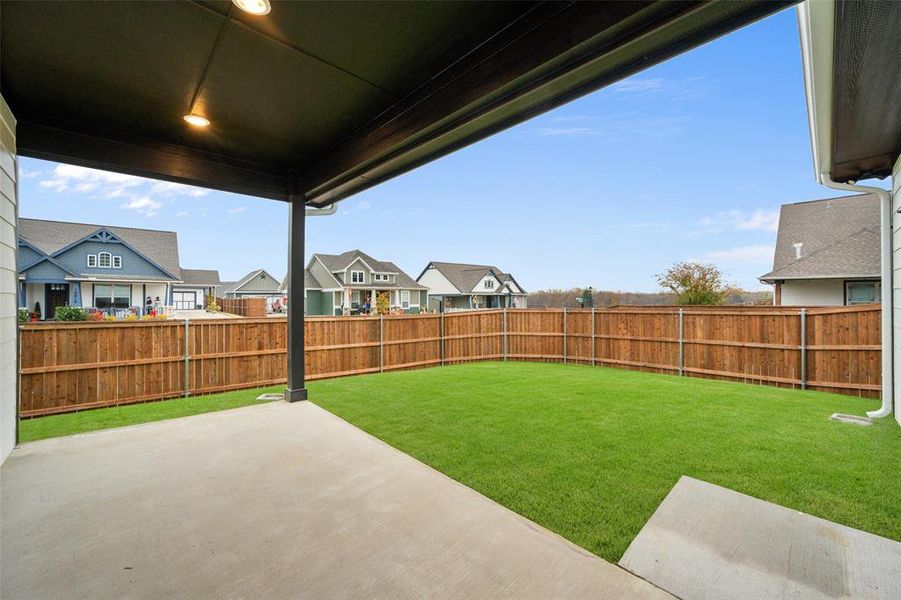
x=66, y=367
x=253, y=308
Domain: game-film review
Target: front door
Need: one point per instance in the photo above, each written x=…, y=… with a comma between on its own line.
x=57, y=295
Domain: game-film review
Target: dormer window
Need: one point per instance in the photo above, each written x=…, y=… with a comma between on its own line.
x=117, y=262
x=489, y=284
x=357, y=277
x=104, y=260
x=92, y=261
x=380, y=277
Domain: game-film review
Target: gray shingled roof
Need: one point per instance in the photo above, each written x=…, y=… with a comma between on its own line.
x=49, y=236
x=339, y=262
x=231, y=286
x=464, y=277
x=201, y=277
x=839, y=237
x=309, y=282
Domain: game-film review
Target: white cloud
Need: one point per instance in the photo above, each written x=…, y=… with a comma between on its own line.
x=182, y=213
x=144, y=205
x=363, y=205
x=637, y=84
x=26, y=174
x=759, y=220
x=746, y=255
x=673, y=89
x=609, y=128
x=236, y=210
x=138, y=193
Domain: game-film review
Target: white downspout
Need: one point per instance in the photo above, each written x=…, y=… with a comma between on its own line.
x=885, y=211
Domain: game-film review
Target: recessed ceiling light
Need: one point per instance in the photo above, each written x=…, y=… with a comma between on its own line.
x=197, y=120
x=254, y=7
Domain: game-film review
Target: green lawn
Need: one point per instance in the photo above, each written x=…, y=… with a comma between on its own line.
x=119, y=416
x=590, y=452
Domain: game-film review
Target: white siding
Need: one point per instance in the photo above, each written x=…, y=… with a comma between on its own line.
x=9, y=277
x=820, y=292
x=896, y=286
x=480, y=286
x=437, y=283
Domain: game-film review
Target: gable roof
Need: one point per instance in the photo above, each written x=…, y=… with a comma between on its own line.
x=309, y=282
x=839, y=237
x=202, y=277
x=340, y=262
x=232, y=286
x=464, y=276
x=160, y=247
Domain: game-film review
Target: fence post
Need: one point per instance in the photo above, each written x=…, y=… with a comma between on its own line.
x=441, y=335
x=187, y=362
x=381, y=343
x=594, y=361
x=505, y=334
x=681, y=342
x=803, y=348
x=564, y=335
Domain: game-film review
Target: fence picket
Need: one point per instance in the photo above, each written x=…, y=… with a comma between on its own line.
x=66, y=367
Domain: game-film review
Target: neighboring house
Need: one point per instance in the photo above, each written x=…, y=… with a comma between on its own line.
x=337, y=284
x=196, y=286
x=827, y=253
x=256, y=284
x=78, y=264
x=456, y=286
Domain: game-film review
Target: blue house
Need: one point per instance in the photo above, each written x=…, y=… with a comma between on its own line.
x=78, y=264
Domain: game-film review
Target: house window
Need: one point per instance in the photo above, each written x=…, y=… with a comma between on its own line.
x=357, y=277
x=861, y=292
x=92, y=261
x=380, y=277
x=117, y=262
x=489, y=284
x=112, y=296
x=405, y=298
x=104, y=260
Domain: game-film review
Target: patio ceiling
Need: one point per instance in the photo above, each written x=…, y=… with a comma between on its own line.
x=321, y=99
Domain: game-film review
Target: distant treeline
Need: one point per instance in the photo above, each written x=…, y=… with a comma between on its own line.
x=604, y=298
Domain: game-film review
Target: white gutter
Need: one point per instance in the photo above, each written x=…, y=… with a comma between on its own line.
x=816, y=22
x=322, y=212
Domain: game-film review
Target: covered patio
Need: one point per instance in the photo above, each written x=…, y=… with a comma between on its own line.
x=308, y=104
x=272, y=501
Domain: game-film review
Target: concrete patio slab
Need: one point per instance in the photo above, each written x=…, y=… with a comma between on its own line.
x=269, y=501
x=705, y=541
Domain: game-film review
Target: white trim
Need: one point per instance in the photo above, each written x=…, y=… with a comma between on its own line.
x=109, y=260
x=362, y=277
x=92, y=266
x=816, y=22
x=117, y=259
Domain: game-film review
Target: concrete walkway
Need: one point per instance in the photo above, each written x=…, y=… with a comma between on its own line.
x=270, y=501
x=706, y=541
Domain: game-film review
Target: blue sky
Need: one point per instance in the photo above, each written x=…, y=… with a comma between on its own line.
x=689, y=160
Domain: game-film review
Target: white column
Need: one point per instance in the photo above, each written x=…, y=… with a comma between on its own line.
x=9, y=282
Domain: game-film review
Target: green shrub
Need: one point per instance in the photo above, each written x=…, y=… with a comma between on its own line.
x=70, y=313
x=23, y=315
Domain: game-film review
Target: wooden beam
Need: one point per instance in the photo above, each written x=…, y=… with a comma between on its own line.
x=63, y=142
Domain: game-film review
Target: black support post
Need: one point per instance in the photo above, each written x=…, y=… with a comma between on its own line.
x=296, y=389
